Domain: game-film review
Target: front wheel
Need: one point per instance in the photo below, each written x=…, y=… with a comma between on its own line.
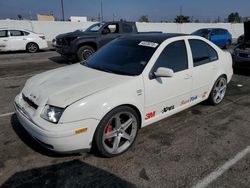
x=84, y=53
x=219, y=90
x=117, y=131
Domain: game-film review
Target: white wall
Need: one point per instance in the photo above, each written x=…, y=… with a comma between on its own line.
x=51, y=29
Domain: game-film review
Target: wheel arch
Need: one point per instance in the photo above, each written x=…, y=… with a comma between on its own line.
x=87, y=43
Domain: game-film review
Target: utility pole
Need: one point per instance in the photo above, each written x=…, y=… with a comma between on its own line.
x=62, y=10
x=101, y=12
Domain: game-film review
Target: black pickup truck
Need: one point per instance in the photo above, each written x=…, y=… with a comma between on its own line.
x=80, y=45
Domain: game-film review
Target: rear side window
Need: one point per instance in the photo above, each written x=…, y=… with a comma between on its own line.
x=127, y=28
x=16, y=33
x=3, y=33
x=174, y=56
x=202, y=52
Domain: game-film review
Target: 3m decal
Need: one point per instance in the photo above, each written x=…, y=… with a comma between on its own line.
x=148, y=44
x=150, y=115
x=168, y=108
x=204, y=95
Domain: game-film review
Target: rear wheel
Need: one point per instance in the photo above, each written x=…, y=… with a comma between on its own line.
x=117, y=131
x=219, y=90
x=32, y=47
x=84, y=53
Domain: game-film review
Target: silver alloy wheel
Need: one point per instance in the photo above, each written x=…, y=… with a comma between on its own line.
x=121, y=134
x=32, y=47
x=219, y=90
x=86, y=54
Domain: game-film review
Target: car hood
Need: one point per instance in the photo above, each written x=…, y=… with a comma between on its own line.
x=76, y=33
x=64, y=86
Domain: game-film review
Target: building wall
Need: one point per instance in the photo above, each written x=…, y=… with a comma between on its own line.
x=51, y=29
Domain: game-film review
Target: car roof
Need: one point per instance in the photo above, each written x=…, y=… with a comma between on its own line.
x=153, y=37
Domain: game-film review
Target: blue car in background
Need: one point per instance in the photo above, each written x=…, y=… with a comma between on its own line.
x=219, y=36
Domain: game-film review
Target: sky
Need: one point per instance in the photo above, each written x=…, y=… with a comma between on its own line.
x=130, y=10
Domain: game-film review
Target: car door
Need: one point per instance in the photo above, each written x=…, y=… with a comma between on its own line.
x=4, y=41
x=18, y=40
x=205, y=66
x=166, y=95
x=109, y=33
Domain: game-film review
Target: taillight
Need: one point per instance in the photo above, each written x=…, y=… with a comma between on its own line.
x=42, y=37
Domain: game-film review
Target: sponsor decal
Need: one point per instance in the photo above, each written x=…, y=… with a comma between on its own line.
x=150, y=115
x=168, y=108
x=204, y=95
x=148, y=44
x=193, y=98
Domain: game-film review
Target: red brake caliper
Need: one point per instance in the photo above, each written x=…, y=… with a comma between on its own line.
x=108, y=129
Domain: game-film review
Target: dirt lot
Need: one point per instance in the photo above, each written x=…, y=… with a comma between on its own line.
x=204, y=145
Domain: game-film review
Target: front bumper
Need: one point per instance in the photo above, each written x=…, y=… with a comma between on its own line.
x=62, y=137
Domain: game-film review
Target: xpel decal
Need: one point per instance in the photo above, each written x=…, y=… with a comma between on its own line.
x=168, y=108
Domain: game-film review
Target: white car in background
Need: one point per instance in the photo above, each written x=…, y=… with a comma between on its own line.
x=128, y=84
x=21, y=39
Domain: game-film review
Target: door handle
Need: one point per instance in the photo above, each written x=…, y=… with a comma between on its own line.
x=5, y=40
x=187, y=77
x=24, y=39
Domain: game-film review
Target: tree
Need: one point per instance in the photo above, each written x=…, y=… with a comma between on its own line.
x=182, y=19
x=234, y=17
x=144, y=18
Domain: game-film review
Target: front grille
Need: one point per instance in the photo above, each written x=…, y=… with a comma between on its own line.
x=60, y=42
x=244, y=55
x=31, y=103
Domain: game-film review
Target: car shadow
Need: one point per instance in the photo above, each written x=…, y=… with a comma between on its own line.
x=32, y=143
x=74, y=173
x=62, y=60
x=25, y=52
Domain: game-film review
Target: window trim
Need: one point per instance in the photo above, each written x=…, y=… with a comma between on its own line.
x=210, y=59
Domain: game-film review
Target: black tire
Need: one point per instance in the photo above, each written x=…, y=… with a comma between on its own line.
x=104, y=145
x=32, y=47
x=84, y=53
x=221, y=81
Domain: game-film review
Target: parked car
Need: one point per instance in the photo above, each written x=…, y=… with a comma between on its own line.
x=220, y=37
x=241, y=55
x=128, y=84
x=21, y=39
x=81, y=44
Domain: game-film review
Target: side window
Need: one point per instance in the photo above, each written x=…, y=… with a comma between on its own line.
x=216, y=32
x=113, y=28
x=174, y=56
x=202, y=52
x=16, y=33
x=3, y=33
x=127, y=28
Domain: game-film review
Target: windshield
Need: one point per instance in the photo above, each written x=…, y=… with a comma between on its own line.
x=123, y=56
x=95, y=27
x=201, y=32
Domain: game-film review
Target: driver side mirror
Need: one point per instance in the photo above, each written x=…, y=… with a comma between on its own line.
x=163, y=72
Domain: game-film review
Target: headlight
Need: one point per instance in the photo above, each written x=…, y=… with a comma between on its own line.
x=52, y=113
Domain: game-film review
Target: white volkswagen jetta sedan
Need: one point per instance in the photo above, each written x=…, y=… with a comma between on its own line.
x=21, y=39
x=130, y=83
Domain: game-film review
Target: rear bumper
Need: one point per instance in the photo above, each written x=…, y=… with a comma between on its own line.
x=64, y=137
